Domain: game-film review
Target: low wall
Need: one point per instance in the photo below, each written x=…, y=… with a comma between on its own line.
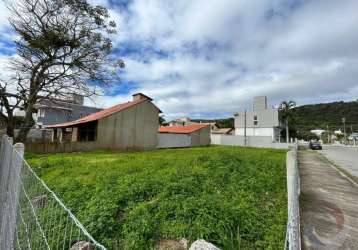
x=56, y=147
x=37, y=135
x=173, y=140
x=251, y=141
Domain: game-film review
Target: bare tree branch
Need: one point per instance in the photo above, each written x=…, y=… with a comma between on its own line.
x=62, y=45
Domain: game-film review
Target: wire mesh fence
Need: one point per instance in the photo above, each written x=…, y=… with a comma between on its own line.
x=293, y=233
x=31, y=215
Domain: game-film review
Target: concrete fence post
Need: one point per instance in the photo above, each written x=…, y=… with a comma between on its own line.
x=5, y=161
x=8, y=223
x=293, y=236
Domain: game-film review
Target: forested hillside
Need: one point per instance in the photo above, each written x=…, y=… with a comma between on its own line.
x=319, y=116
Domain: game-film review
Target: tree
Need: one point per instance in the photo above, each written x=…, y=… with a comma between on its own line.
x=286, y=115
x=63, y=47
x=8, y=103
x=307, y=136
x=162, y=121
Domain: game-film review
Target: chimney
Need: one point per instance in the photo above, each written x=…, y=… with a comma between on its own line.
x=140, y=96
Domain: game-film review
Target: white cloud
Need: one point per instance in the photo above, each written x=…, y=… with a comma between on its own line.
x=4, y=13
x=208, y=57
x=214, y=57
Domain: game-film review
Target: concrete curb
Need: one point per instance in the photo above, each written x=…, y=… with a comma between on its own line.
x=339, y=146
x=339, y=170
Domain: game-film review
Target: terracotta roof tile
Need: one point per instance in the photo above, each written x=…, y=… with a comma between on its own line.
x=182, y=129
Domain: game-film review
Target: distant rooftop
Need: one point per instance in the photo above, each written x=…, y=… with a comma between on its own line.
x=182, y=129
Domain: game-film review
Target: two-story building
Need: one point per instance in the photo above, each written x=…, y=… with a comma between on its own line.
x=54, y=110
x=262, y=121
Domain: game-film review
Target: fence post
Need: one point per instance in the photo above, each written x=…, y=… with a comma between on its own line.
x=5, y=161
x=293, y=235
x=8, y=225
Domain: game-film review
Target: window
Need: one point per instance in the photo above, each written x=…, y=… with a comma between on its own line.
x=41, y=112
x=255, y=120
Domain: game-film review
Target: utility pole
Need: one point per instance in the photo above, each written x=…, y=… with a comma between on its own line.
x=344, y=130
x=245, y=142
x=287, y=135
x=328, y=135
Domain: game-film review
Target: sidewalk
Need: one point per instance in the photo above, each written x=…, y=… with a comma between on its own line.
x=329, y=205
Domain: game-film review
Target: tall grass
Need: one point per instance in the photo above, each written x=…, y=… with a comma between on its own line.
x=233, y=197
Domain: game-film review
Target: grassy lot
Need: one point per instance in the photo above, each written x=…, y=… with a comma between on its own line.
x=233, y=197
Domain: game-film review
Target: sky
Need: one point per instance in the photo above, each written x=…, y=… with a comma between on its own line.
x=209, y=58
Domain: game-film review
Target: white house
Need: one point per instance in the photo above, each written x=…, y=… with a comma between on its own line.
x=262, y=121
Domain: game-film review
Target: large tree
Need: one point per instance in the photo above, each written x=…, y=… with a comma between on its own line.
x=63, y=47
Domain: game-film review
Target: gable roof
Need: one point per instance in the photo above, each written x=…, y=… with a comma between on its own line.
x=182, y=129
x=100, y=114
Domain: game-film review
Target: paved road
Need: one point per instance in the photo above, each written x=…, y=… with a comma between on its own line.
x=329, y=207
x=345, y=157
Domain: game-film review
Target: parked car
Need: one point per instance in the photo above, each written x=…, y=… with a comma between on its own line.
x=353, y=136
x=315, y=145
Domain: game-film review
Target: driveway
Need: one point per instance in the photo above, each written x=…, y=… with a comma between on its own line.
x=345, y=157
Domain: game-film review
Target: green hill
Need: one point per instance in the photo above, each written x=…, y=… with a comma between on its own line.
x=319, y=116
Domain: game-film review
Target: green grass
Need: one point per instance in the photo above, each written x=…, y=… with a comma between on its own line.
x=233, y=197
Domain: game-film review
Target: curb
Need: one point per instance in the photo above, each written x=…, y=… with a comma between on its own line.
x=342, y=172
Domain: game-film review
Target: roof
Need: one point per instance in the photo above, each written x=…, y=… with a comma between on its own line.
x=222, y=131
x=188, y=129
x=99, y=115
x=143, y=95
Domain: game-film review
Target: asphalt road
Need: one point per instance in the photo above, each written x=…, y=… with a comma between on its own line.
x=345, y=157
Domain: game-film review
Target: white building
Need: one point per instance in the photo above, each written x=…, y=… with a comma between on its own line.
x=262, y=121
x=318, y=132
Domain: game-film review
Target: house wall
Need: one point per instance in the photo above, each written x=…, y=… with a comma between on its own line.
x=56, y=115
x=166, y=140
x=260, y=103
x=134, y=128
x=267, y=118
x=200, y=137
x=255, y=132
x=251, y=141
x=196, y=139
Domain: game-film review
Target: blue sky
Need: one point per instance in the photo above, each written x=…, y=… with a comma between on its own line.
x=208, y=58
